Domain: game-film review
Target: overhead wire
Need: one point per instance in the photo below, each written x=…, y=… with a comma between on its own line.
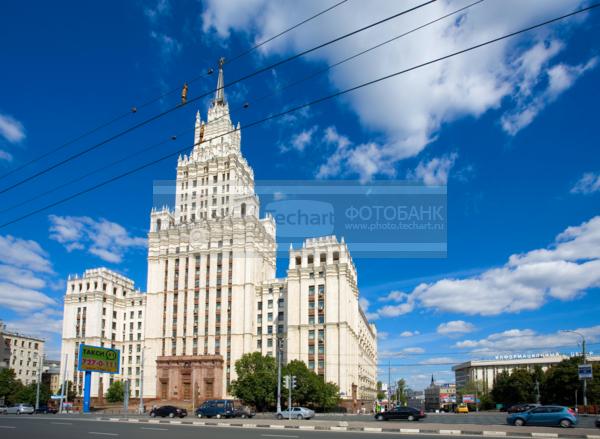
x=306, y=105
x=134, y=109
x=196, y=98
x=254, y=101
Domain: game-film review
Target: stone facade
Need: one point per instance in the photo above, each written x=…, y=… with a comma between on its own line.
x=189, y=377
x=22, y=353
x=212, y=295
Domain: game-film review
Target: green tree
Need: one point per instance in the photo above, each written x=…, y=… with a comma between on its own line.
x=116, y=392
x=311, y=390
x=10, y=386
x=514, y=388
x=257, y=380
x=560, y=382
x=401, y=392
x=380, y=392
x=28, y=393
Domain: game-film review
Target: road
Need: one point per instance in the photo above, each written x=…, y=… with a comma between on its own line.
x=38, y=427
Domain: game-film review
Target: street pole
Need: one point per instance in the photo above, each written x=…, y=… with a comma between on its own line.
x=585, y=379
x=63, y=385
x=290, y=397
x=583, y=355
x=389, y=392
x=537, y=391
x=279, y=352
x=141, y=405
x=39, y=377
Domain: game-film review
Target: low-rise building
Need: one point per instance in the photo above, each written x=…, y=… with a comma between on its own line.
x=51, y=375
x=485, y=371
x=439, y=396
x=22, y=353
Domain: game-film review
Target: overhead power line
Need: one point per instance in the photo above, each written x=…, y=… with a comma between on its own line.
x=165, y=94
x=241, y=107
x=302, y=106
x=243, y=78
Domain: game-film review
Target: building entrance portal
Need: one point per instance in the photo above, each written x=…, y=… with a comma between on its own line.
x=185, y=378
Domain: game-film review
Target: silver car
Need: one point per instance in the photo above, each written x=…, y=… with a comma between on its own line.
x=297, y=413
x=20, y=409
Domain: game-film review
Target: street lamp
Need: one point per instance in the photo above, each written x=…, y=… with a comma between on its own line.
x=141, y=401
x=583, y=354
x=40, y=359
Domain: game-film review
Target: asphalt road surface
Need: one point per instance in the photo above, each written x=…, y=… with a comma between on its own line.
x=37, y=427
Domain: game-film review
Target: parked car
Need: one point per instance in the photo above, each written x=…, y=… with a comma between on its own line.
x=408, y=413
x=519, y=408
x=168, y=410
x=544, y=415
x=243, y=412
x=46, y=410
x=218, y=408
x=462, y=408
x=598, y=422
x=20, y=409
x=297, y=413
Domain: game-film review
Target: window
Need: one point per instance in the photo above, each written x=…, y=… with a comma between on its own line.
x=269, y=342
x=323, y=257
x=298, y=261
x=311, y=335
x=311, y=290
x=336, y=256
x=270, y=317
x=270, y=304
x=311, y=319
x=259, y=305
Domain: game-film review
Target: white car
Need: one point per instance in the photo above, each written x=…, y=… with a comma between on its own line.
x=297, y=413
x=20, y=409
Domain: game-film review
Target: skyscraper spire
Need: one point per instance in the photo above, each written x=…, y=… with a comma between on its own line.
x=220, y=94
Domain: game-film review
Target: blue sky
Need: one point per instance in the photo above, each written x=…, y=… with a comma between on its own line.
x=511, y=129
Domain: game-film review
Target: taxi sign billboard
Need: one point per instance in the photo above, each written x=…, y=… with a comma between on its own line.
x=98, y=359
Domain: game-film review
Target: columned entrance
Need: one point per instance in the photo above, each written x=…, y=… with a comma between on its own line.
x=187, y=377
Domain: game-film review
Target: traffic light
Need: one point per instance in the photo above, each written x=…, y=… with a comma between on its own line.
x=293, y=383
x=287, y=381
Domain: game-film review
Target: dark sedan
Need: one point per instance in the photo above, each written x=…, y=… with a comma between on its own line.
x=598, y=422
x=168, y=410
x=408, y=413
x=46, y=410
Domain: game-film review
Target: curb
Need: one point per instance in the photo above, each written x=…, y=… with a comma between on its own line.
x=418, y=431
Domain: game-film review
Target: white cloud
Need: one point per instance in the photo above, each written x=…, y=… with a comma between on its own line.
x=333, y=167
x=6, y=156
x=455, y=327
x=435, y=171
x=162, y=8
x=439, y=360
x=24, y=270
x=413, y=350
x=299, y=140
x=105, y=239
x=561, y=77
x=409, y=333
x=11, y=129
x=168, y=45
x=24, y=254
x=408, y=111
x=587, y=184
x=382, y=335
x=519, y=340
x=564, y=270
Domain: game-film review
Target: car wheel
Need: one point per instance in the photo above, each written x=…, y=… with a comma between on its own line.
x=379, y=417
x=171, y=415
x=18, y=412
x=199, y=415
x=565, y=423
x=411, y=418
x=519, y=422
x=299, y=417
x=218, y=416
x=243, y=416
x=279, y=416
x=153, y=415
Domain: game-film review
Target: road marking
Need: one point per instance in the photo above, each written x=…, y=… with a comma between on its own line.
x=306, y=427
x=544, y=434
x=7, y=426
x=372, y=429
x=334, y=428
x=154, y=421
x=155, y=428
x=133, y=420
x=278, y=435
x=494, y=433
x=410, y=430
x=103, y=434
x=449, y=432
x=62, y=423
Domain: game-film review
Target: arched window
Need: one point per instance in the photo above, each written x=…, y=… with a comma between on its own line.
x=243, y=209
x=158, y=225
